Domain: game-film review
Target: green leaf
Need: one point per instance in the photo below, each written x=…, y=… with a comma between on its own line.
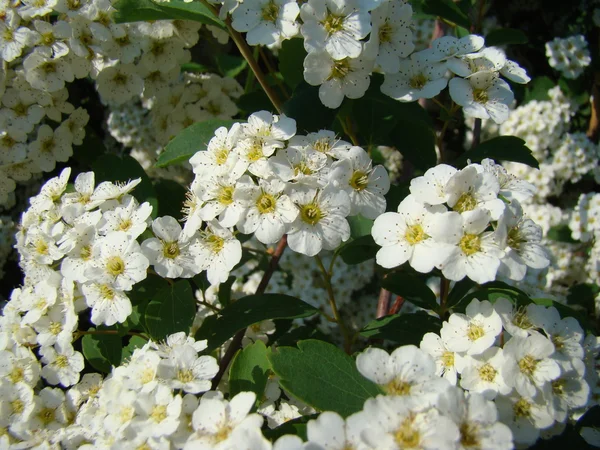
x=194, y=67
x=505, y=36
x=459, y=290
x=134, y=342
x=448, y=10
x=415, y=139
x=250, y=370
x=171, y=196
x=359, y=250
x=250, y=310
x=292, y=337
x=102, y=351
x=193, y=139
x=322, y=376
x=394, y=197
x=171, y=310
x=412, y=288
x=306, y=109
x=146, y=10
x=537, y=89
x=295, y=426
x=291, y=61
x=230, y=65
x=224, y=294
x=359, y=226
x=403, y=329
x=492, y=291
x=561, y=233
x=501, y=148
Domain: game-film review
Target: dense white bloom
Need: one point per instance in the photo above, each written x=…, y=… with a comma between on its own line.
x=483, y=96
x=218, y=252
x=321, y=222
x=185, y=370
x=569, y=56
x=473, y=332
x=528, y=363
x=267, y=22
x=517, y=321
x=62, y=364
x=119, y=83
x=415, y=79
x=482, y=373
x=446, y=361
x=417, y=234
x=525, y=416
x=334, y=26
x=447, y=47
x=157, y=412
x=129, y=217
x=109, y=305
x=472, y=188
x=215, y=160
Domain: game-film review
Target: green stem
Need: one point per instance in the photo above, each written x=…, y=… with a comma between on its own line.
x=334, y=309
x=246, y=52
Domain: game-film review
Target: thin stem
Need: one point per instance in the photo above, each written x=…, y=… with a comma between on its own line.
x=272, y=71
x=246, y=52
x=476, y=134
x=398, y=303
x=209, y=306
x=383, y=303
x=349, y=130
x=334, y=308
x=257, y=251
x=236, y=342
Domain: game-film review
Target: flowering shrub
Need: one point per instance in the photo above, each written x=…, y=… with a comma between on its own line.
x=267, y=224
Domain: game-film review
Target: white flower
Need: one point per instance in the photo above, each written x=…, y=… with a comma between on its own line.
x=521, y=240
x=477, y=420
x=476, y=254
x=49, y=412
x=529, y=364
x=417, y=234
x=431, y=187
x=366, y=185
x=301, y=164
x=408, y=372
x=525, y=415
x=323, y=141
x=511, y=187
x=331, y=432
x=321, y=222
x=472, y=188
x=348, y=77
x=218, y=252
x=415, y=79
x=447, y=47
x=396, y=424
x=267, y=22
x=46, y=73
x=569, y=391
x=170, y=252
x=446, y=361
x=490, y=60
x=118, y=261
x=130, y=217
x=118, y=84
x=62, y=364
x=57, y=325
x=514, y=72
x=48, y=148
x=481, y=373
x=268, y=211
x=157, y=412
x=185, y=370
x=13, y=40
x=335, y=26
x=473, y=332
x=516, y=321
x=16, y=403
x=218, y=158
x=483, y=96
x=391, y=35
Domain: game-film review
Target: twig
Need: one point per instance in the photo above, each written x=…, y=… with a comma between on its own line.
x=383, y=303
x=236, y=342
x=593, y=131
x=397, y=305
x=336, y=313
x=272, y=71
x=246, y=52
x=476, y=134
x=349, y=130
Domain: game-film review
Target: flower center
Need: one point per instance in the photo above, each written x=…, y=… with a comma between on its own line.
x=470, y=244
x=125, y=224
x=55, y=328
x=386, y=32
x=302, y=168
x=255, y=152
x=398, y=387
x=61, y=361
x=527, y=365
x=225, y=196
x=311, y=213
x=46, y=415
x=418, y=81
x=266, y=203
x=322, y=145
x=415, y=234
x=221, y=156
x=270, y=12
x=339, y=69
x=522, y=408
x=406, y=436
x=17, y=406
x=480, y=95
x=474, y=332
x=558, y=387
x=448, y=359
x=106, y=292
x=487, y=373
x=333, y=23
x=48, y=67
x=359, y=180
x=16, y=375
x=216, y=243
x=521, y=320
x=170, y=250
x=466, y=202
x=159, y=413
x=514, y=239
x=86, y=252
x=468, y=435
x=185, y=376
x=115, y=266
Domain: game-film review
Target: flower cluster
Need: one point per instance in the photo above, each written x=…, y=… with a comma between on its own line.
x=524, y=371
x=445, y=223
x=265, y=180
x=570, y=56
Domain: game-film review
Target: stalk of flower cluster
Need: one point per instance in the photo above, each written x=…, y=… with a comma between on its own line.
x=246, y=52
x=336, y=313
x=236, y=342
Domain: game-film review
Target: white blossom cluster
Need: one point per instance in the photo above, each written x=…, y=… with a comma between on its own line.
x=570, y=56
x=40, y=57
x=494, y=375
x=445, y=223
x=265, y=180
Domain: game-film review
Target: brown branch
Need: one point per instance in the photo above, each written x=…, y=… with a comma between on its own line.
x=397, y=305
x=593, y=131
x=236, y=342
x=383, y=303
